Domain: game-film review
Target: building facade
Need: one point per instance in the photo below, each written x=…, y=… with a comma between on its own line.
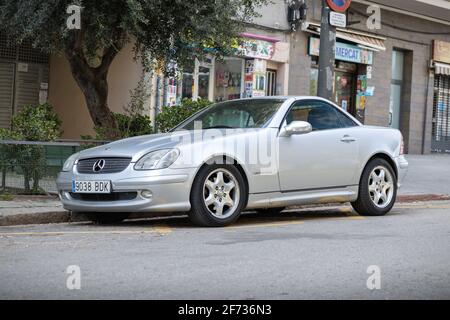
x=394, y=74
x=393, y=71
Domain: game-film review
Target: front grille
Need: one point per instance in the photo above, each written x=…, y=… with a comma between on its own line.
x=112, y=165
x=115, y=196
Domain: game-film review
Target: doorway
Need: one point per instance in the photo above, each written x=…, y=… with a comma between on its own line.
x=345, y=85
x=271, y=89
x=345, y=90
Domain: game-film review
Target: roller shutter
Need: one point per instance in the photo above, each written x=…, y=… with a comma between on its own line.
x=441, y=114
x=29, y=78
x=6, y=93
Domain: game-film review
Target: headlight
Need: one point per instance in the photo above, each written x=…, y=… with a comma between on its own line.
x=159, y=159
x=69, y=162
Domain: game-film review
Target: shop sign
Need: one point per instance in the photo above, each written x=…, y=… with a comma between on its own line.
x=441, y=51
x=254, y=48
x=339, y=5
x=344, y=52
x=338, y=19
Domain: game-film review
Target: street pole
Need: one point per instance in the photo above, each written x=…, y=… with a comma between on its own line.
x=326, y=55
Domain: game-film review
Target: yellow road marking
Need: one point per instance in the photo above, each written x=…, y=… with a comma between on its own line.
x=162, y=229
x=265, y=225
x=355, y=217
x=345, y=210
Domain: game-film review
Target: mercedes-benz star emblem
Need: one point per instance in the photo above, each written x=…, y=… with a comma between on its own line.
x=98, y=165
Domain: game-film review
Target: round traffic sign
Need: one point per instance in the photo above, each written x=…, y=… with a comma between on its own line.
x=339, y=5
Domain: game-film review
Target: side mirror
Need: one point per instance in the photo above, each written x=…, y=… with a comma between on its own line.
x=296, y=127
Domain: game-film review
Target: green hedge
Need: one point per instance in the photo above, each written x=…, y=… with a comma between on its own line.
x=170, y=117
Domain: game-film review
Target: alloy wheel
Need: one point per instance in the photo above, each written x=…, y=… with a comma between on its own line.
x=221, y=193
x=381, y=187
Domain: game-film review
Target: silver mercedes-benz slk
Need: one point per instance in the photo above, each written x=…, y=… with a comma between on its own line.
x=259, y=154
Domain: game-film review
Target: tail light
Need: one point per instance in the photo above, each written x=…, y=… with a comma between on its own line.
x=402, y=147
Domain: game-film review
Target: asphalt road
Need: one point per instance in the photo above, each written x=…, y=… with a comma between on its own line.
x=321, y=253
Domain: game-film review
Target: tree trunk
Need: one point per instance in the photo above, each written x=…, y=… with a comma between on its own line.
x=94, y=84
x=95, y=92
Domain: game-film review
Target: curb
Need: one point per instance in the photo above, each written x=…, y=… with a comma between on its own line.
x=36, y=218
x=422, y=198
x=64, y=216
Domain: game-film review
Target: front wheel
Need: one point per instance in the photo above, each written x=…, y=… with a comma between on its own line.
x=377, y=189
x=218, y=196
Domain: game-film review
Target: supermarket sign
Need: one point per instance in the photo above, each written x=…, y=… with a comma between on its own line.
x=339, y=5
x=344, y=52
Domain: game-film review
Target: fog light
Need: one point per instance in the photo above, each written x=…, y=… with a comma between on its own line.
x=146, y=194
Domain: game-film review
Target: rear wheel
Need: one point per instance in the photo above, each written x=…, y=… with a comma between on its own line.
x=107, y=218
x=218, y=196
x=377, y=189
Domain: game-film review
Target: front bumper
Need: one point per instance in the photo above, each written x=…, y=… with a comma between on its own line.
x=170, y=190
x=402, y=167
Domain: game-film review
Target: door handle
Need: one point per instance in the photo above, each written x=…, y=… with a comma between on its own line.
x=348, y=139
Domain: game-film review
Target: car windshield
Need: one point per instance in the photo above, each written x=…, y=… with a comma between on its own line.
x=250, y=113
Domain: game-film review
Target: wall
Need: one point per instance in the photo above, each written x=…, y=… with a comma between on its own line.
x=417, y=104
x=68, y=100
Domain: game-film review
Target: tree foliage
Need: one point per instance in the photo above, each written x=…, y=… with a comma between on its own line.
x=164, y=33
x=32, y=123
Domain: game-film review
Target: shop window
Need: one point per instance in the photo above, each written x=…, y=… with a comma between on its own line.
x=203, y=82
x=228, y=80
x=188, y=82
x=314, y=76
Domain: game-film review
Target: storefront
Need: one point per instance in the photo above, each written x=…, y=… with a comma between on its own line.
x=257, y=69
x=440, y=141
x=353, y=67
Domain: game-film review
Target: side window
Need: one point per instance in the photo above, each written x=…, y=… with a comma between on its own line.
x=346, y=122
x=320, y=115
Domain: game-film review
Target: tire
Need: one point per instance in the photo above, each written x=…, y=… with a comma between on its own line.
x=107, y=217
x=270, y=211
x=214, y=202
x=372, y=185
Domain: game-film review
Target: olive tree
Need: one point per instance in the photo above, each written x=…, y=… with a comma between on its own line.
x=163, y=32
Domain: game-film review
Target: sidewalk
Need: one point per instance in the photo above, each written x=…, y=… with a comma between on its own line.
x=427, y=174
x=428, y=179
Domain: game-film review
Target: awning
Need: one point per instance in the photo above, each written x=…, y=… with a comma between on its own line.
x=363, y=40
x=442, y=68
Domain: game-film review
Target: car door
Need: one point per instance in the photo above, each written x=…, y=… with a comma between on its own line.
x=324, y=158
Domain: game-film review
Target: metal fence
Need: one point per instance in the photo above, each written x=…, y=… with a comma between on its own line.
x=31, y=167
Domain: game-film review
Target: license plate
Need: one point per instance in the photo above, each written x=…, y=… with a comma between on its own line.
x=91, y=186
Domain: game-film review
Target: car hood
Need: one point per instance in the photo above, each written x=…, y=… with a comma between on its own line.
x=136, y=147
